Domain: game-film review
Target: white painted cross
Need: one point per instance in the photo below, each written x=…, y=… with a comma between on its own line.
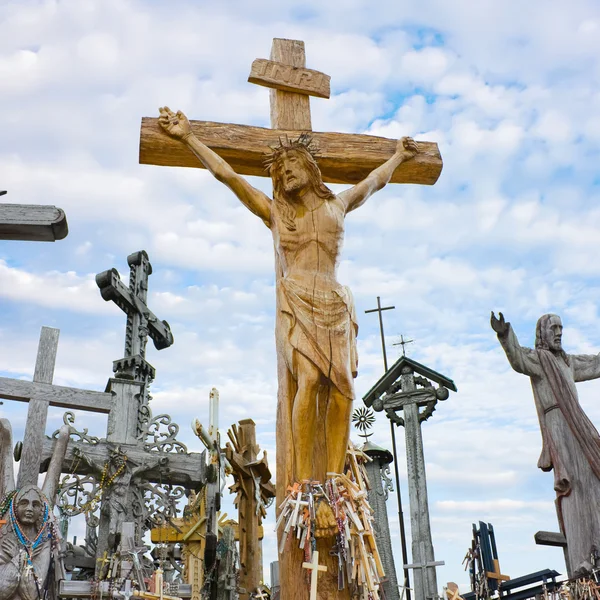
x=315, y=567
x=261, y=595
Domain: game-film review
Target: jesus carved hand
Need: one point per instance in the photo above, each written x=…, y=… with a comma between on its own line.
x=407, y=147
x=175, y=124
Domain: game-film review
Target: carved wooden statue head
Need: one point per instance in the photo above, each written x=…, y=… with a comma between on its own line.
x=30, y=506
x=292, y=167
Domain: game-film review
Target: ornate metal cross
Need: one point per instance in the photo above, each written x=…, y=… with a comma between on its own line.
x=408, y=387
x=141, y=321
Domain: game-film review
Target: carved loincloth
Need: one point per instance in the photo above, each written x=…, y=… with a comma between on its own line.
x=322, y=327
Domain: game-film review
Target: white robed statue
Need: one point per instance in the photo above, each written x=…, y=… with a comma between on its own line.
x=570, y=442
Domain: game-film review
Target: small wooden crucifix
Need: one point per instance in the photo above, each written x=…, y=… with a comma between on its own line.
x=32, y=222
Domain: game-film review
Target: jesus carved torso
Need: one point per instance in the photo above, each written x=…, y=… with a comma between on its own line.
x=320, y=320
x=316, y=242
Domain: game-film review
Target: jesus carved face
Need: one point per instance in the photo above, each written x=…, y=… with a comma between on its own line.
x=293, y=172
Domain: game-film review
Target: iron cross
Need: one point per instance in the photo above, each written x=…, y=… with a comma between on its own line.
x=141, y=321
x=379, y=310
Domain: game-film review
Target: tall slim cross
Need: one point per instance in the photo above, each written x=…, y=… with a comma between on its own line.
x=380, y=310
x=32, y=222
x=343, y=158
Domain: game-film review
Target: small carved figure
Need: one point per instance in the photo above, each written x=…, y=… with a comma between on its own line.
x=29, y=541
x=570, y=442
x=316, y=324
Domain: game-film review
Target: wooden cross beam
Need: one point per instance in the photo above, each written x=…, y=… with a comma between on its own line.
x=40, y=394
x=176, y=468
x=343, y=158
x=32, y=222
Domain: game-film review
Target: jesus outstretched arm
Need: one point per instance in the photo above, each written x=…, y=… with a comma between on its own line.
x=378, y=178
x=178, y=126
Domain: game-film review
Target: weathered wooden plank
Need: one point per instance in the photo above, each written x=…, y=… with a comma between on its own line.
x=343, y=157
x=56, y=395
x=550, y=538
x=37, y=411
x=32, y=222
x=278, y=76
x=289, y=110
x=183, y=469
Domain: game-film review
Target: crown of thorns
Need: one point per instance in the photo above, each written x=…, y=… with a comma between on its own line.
x=303, y=141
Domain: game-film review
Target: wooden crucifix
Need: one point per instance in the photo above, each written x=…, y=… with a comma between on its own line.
x=253, y=488
x=32, y=222
x=316, y=322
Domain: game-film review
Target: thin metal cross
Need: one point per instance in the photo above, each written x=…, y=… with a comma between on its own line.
x=403, y=343
x=379, y=310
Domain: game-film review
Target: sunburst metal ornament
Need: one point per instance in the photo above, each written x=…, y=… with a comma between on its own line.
x=363, y=419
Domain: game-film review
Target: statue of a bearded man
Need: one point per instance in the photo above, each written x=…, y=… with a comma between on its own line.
x=570, y=442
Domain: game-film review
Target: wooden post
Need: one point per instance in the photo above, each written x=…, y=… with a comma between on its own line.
x=37, y=411
x=32, y=223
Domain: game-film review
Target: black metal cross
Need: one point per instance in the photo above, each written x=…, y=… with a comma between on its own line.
x=141, y=321
x=403, y=343
x=379, y=310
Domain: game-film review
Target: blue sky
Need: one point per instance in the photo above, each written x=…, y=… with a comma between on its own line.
x=508, y=90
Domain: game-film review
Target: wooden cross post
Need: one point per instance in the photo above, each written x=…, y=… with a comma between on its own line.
x=314, y=567
x=343, y=158
x=253, y=487
x=32, y=222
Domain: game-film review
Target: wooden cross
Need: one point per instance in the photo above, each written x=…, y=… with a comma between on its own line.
x=40, y=394
x=496, y=574
x=190, y=531
x=380, y=310
x=343, y=158
x=32, y=222
x=314, y=567
x=253, y=487
x=141, y=321
x=261, y=595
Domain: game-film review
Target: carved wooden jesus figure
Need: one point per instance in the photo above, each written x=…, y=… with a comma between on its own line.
x=570, y=442
x=316, y=323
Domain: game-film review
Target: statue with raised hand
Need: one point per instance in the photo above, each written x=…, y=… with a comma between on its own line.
x=570, y=442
